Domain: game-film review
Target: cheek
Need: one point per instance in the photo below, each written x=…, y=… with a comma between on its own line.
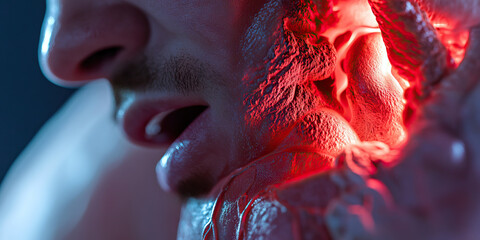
x=282, y=91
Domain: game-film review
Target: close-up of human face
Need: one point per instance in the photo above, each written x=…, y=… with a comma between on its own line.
x=176, y=70
x=256, y=102
x=193, y=77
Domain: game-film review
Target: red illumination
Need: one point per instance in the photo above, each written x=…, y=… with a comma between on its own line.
x=455, y=42
x=335, y=101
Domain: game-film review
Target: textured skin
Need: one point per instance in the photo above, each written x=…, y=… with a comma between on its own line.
x=413, y=47
x=374, y=95
x=226, y=216
x=424, y=188
x=283, y=90
x=465, y=16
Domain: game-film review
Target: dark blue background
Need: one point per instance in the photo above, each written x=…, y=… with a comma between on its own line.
x=27, y=99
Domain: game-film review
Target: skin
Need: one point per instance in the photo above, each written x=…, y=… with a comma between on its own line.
x=249, y=123
x=198, y=37
x=230, y=140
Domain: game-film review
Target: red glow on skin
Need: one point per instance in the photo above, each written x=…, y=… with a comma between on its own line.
x=300, y=116
x=363, y=216
x=312, y=20
x=304, y=120
x=455, y=42
x=383, y=191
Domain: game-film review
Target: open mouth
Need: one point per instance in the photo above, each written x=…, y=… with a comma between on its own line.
x=168, y=126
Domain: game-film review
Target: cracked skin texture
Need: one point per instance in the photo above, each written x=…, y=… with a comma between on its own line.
x=362, y=188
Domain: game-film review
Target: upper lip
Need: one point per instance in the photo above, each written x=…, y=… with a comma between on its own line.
x=137, y=111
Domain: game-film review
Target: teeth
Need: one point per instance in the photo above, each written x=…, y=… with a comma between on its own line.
x=154, y=127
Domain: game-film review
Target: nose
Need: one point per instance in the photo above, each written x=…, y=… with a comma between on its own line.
x=84, y=40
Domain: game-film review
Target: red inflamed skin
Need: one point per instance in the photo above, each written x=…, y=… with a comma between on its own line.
x=292, y=119
x=363, y=160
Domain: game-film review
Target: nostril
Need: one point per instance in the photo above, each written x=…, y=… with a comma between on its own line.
x=92, y=42
x=99, y=59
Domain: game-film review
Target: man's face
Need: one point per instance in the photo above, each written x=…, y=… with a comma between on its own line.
x=205, y=79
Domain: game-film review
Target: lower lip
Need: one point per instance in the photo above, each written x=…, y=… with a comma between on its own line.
x=185, y=157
